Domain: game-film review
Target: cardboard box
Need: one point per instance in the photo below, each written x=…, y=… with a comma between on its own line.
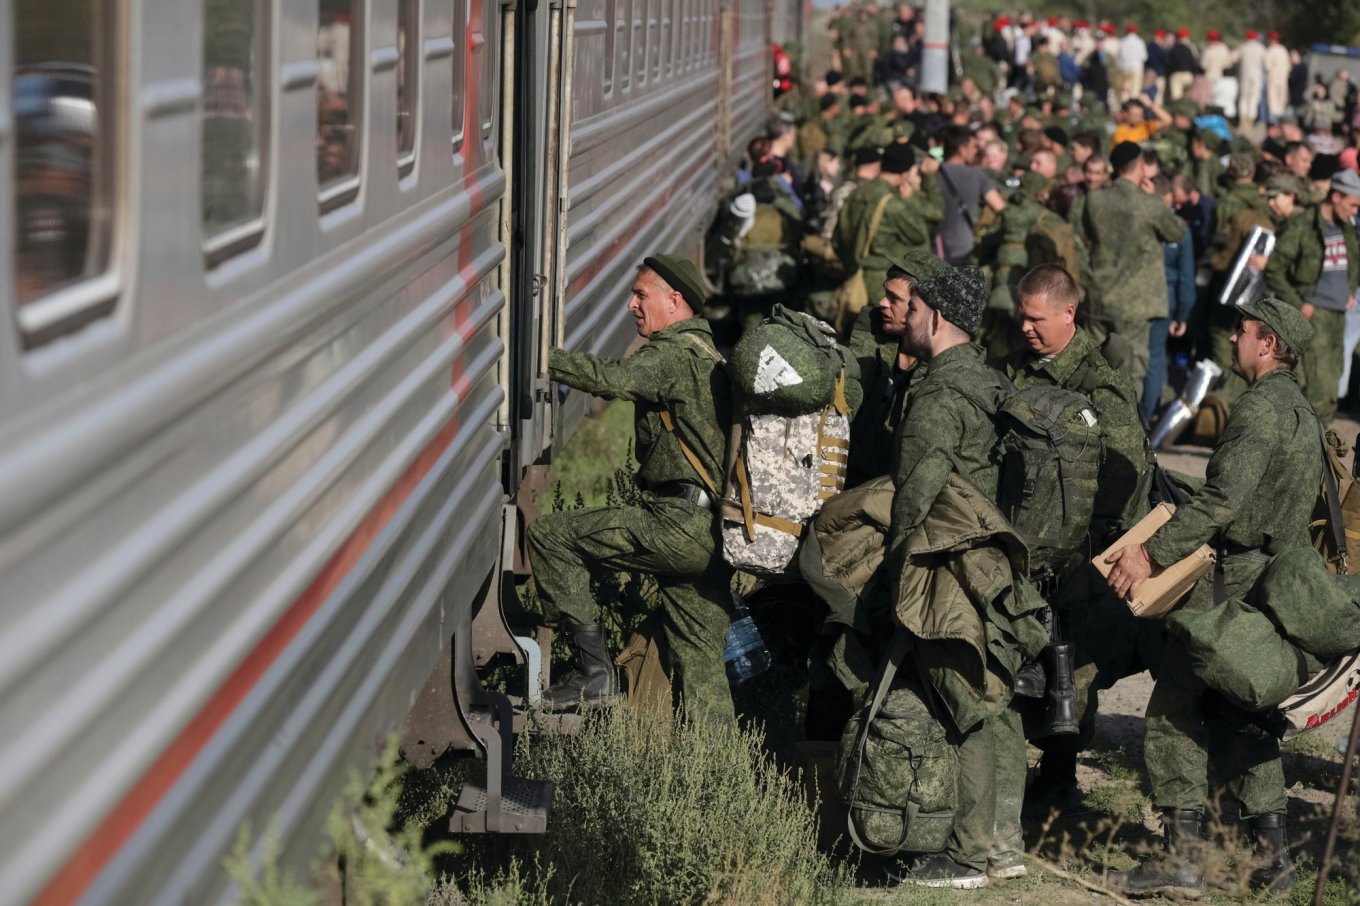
x=1165, y=588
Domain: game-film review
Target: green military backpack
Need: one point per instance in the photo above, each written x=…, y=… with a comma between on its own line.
x=897, y=771
x=1050, y=451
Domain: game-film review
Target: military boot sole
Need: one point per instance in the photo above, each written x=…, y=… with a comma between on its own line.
x=1007, y=872
x=1118, y=882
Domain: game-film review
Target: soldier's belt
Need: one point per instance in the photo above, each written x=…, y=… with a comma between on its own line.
x=685, y=491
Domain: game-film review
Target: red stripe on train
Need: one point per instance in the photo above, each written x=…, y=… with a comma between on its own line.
x=122, y=822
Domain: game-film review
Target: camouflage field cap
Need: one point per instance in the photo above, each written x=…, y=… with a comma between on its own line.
x=1284, y=319
x=1241, y=166
x=682, y=276
x=1282, y=184
x=958, y=293
x=917, y=264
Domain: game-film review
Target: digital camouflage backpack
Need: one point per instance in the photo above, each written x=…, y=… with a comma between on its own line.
x=897, y=772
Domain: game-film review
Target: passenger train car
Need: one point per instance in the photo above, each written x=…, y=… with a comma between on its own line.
x=280, y=278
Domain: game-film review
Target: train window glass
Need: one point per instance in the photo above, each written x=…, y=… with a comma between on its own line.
x=611, y=13
x=624, y=25
x=340, y=60
x=233, y=134
x=460, y=39
x=408, y=74
x=639, y=42
x=674, y=22
x=488, y=64
x=657, y=23
x=63, y=147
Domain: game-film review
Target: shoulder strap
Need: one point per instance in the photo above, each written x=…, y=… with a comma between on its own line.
x=706, y=348
x=1334, y=517
x=875, y=222
x=887, y=672
x=958, y=200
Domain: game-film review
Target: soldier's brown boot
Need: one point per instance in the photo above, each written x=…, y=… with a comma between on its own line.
x=591, y=680
x=1276, y=871
x=1178, y=872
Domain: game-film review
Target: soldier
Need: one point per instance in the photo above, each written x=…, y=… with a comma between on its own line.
x=1110, y=643
x=1314, y=267
x=1004, y=250
x=945, y=428
x=886, y=372
x=1205, y=166
x=675, y=377
x=816, y=134
x=1257, y=500
x=1124, y=228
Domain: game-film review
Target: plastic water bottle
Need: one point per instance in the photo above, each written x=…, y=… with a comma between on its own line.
x=745, y=654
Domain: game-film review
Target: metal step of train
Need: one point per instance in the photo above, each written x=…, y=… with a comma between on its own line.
x=521, y=807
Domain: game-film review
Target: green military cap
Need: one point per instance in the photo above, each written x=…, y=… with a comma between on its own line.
x=903, y=128
x=1184, y=107
x=1241, y=166
x=682, y=276
x=1282, y=184
x=1209, y=138
x=917, y=264
x=1286, y=320
x=1031, y=184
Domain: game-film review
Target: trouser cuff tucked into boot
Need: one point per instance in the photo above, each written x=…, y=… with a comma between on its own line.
x=591, y=680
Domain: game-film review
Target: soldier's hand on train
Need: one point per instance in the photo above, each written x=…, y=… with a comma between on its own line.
x=1307, y=310
x=1177, y=329
x=1132, y=566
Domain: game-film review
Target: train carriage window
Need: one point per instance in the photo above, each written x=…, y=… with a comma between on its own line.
x=408, y=74
x=658, y=43
x=460, y=41
x=234, y=116
x=63, y=171
x=624, y=26
x=611, y=13
x=339, y=53
x=638, y=43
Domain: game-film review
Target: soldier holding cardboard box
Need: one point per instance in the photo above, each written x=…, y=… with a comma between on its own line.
x=1258, y=497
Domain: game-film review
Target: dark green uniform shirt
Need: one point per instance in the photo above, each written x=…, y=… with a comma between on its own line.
x=670, y=372
x=1262, y=481
x=1125, y=228
x=944, y=424
x=1125, y=476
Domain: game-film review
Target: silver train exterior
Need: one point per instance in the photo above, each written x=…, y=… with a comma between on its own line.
x=281, y=277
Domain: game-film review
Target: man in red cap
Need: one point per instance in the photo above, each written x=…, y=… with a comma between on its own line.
x=1182, y=62
x=1215, y=58
x=1251, y=73
x=1277, y=78
x=1129, y=63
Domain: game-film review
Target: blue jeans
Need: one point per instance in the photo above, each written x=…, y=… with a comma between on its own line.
x=1350, y=339
x=1155, y=379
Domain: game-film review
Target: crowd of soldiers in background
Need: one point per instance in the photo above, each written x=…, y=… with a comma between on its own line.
x=997, y=170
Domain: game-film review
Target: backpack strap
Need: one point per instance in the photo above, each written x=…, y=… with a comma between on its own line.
x=668, y=421
x=875, y=222
x=1334, y=517
x=887, y=672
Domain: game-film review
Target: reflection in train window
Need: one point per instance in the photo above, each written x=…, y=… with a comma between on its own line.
x=338, y=92
x=63, y=149
x=408, y=72
x=460, y=38
x=234, y=119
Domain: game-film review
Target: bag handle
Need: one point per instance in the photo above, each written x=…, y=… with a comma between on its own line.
x=887, y=672
x=1334, y=517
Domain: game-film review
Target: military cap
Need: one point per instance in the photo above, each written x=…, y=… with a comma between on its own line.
x=1241, y=166
x=1124, y=154
x=1056, y=134
x=1286, y=320
x=1031, y=184
x=866, y=156
x=959, y=294
x=857, y=102
x=682, y=276
x=833, y=77
x=1185, y=107
x=1347, y=182
x=903, y=128
x=1324, y=166
x=1209, y=138
x=1273, y=147
x=917, y=264
x=898, y=158
x=828, y=101
x=1282, y=184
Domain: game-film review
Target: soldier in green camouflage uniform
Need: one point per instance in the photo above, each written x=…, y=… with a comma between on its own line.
x=1110, y=642
x=946, y=428
x=1004, y=249
x=672, y=534
x=885, y=372
x=858, y=41
x=1258, y=496
x=1305, y=270
x=1205, y=166
x=1125, y=228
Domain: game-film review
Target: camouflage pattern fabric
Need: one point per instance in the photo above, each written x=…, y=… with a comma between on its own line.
x=1126, y=471
x=904, y=227
x=1012, y=760
x=668, y=538
x=1259, y=492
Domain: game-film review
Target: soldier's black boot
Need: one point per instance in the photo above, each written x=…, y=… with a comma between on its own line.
x=1054, y=788
x=1060, y=716
x=1276, y=871
x=591, y=680
x=1030, y=680
x=1178, y=872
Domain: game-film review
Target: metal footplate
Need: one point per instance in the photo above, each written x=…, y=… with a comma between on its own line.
x=522, y=808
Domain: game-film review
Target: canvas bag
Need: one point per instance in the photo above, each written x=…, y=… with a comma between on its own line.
x=853, y=294
x=896, y=770
x=791, y=441
x=1326, y=694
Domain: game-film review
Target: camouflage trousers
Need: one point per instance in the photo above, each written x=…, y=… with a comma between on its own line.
x=991, y=786
x=1189, y=726
x=668, y=538
x=1012, y=764
x=1322, y=362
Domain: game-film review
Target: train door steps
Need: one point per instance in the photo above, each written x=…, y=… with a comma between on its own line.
x=524, y=806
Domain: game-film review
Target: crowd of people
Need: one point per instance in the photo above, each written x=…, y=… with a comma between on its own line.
x=968, y=247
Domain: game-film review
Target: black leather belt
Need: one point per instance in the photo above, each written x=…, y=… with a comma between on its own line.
x=685, y=491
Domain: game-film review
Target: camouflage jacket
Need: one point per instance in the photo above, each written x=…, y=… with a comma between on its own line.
x=943, y=427
x=1237, y=199
x=812, y=137
x=671, y=371
x=1205, y=173
x=1126, y=472
x=1124, y=228
x=1295, y=265
x=906, y=225
x=1246, y=220
x=887, y=390
x=1261, y=483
